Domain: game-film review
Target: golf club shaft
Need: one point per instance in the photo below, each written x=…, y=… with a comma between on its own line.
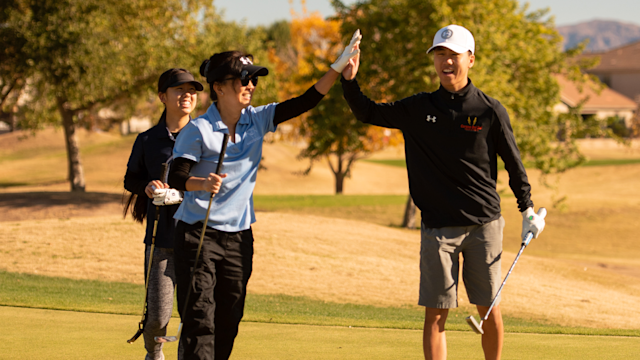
x=542, y=212
x=153, y=246
x=503, y=282
x=146, y=280
x=153, y=241
x=225, y=140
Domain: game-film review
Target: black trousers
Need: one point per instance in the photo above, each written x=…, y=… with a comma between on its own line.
x=216, y=302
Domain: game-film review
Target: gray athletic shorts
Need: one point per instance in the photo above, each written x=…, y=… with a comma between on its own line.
x=481, y=248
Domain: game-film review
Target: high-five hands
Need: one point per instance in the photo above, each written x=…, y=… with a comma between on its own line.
x=349, y=52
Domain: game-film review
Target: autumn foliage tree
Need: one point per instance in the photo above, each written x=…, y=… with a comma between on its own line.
x=330, y=130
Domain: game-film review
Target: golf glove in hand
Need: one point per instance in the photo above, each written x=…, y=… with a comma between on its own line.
x=531, y=222
x=349, y=52
x=163, y=197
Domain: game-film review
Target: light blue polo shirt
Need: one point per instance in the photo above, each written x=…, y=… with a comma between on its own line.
x=201, y=141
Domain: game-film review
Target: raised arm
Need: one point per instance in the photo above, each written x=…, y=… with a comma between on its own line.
x=301, y=104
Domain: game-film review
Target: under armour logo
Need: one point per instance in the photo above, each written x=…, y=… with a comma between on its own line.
x=246, y=61
x=431, y=118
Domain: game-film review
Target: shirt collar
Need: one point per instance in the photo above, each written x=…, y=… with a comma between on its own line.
x=162, y=130
x=213, y=115
x=467, y=90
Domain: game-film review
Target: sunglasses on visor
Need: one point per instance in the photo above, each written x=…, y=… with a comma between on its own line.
x=245, y=80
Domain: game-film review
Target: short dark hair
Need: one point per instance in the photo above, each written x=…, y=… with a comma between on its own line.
x=220, y=65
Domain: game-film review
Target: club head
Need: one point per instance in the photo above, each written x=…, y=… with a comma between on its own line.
x=477, y=328
x=165, y=339
x=136, y=336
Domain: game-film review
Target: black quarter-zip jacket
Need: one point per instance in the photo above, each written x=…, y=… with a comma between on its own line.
x=151, y=149
x=451, y=145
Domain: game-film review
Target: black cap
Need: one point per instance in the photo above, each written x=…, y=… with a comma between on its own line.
x=175, y=77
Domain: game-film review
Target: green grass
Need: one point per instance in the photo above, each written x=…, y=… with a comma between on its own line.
x=62, y=335
x=601, y=162
x=280, y=202
x=55, y=293
x=386, y=210
x=611, y=162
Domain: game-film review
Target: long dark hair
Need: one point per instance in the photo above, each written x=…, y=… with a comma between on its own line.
x=138, y=204
x=218, y=66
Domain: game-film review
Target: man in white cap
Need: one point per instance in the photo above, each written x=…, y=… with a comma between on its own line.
x=452, y=139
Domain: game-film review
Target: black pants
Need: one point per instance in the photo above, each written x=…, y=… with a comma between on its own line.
x=216, y=302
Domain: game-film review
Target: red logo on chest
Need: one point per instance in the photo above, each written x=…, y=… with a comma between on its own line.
x=472, y=125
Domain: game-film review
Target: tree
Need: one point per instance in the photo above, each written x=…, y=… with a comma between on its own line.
x=82, y=55
x=13, y=72
x=330, y=130
x=518, y=51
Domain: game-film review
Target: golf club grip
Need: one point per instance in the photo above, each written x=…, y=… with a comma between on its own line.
x=165, y=169
x=225, y=140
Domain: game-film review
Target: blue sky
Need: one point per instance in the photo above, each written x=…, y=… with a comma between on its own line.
x=566, y=12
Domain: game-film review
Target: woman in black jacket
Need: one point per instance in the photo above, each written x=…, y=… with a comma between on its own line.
x=146, y=177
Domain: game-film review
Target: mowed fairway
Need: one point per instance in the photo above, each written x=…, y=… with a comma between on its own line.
x=63, y=335
x=584, y=270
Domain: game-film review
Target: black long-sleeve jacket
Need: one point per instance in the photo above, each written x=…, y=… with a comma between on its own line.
x=152, y=148
x=451, y=145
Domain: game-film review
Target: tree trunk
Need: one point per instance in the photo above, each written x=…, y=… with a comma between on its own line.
x=14, y=119
x=339, y=183
x=76, y=172
x=409, y=220
x=339, y=173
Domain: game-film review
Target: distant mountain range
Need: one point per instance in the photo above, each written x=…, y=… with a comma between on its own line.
x=602, y=34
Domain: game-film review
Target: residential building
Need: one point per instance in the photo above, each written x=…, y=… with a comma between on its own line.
x=619, y=69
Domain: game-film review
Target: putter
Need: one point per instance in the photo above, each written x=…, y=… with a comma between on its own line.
x=165, y=339
x=477, y=327
x=143, y=321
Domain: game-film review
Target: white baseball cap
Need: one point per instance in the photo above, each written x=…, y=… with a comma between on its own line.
x=454, y=37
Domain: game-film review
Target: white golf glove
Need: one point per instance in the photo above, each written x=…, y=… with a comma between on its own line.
x=163, y=197
x=349, y=52
x=532, y=222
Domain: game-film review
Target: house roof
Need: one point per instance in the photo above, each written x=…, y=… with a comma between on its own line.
x=624, y=58
x=607, y=99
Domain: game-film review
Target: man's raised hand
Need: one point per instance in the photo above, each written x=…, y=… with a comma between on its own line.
x=352, y=50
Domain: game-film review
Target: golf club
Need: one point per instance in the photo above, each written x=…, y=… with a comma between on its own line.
x=143, y=321
x=477, y=327
x=164, y=339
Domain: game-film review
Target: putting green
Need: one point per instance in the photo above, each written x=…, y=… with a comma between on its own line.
x=35, y=333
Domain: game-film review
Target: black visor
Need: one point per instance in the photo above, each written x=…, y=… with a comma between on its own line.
x=180, y=78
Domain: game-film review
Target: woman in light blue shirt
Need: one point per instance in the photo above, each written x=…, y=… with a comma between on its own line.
x=216, y=301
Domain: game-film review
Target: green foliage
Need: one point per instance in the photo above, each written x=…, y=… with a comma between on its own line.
x=94, y=54
x=278, y=35
x=517, y=54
